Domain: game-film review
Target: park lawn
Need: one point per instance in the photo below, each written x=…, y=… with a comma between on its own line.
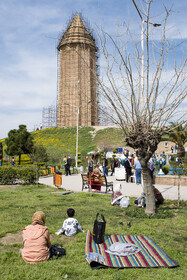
x=18, y=203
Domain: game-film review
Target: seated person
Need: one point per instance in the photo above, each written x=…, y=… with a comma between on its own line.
x=94, y=183
x=70, y=226
x=36, y=240
x=158, y=196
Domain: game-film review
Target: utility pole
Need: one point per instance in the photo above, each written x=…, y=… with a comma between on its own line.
x=77, y=137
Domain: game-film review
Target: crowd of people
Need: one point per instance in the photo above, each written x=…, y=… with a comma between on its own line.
x=130, y=163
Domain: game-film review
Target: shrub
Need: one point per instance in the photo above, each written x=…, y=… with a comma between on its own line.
x=165, y=169
x=26, y=174
x=22, y=174
x=8, y=175
x=58, y=166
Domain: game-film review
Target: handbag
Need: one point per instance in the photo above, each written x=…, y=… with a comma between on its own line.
x=57, y=250
x=99, y=229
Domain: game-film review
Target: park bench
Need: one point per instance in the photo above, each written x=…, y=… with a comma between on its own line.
x=94, y=182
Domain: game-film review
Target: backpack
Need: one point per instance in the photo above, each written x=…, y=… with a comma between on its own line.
x=57, y=250
x=158, y=196
x=99, y=229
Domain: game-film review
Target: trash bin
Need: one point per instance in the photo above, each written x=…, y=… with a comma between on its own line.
x=57, y=178
x=53, y=169
x=45, y=172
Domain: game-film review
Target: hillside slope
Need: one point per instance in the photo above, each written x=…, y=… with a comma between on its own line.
x=62, y=141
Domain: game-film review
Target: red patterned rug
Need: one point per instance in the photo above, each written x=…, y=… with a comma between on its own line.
x=149, y=255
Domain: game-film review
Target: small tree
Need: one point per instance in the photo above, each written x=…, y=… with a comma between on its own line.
x=178, y=135
x=39, y=156
x=19, y=142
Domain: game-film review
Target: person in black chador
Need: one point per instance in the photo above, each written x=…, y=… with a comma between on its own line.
x=113, y=165
x=128, y=168
x=67, y=166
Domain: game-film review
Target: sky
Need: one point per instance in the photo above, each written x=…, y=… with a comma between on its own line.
x=29, y=32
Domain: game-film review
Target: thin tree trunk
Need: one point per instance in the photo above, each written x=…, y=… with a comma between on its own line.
x=19, y=159
x=37, y=175
x=148, y=189
x=179, y=184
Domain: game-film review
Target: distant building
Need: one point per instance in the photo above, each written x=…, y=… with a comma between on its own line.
x=77, y=77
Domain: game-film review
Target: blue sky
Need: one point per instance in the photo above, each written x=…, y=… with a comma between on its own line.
x=28, y=38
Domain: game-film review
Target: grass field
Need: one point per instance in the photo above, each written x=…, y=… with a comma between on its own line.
x=18, y=203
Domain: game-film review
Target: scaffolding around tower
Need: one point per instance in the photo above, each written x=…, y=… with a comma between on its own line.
x=77, y=76
x=49, y=117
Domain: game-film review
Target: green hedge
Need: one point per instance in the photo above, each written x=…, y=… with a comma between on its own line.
x=165, y=169
x=22, y=174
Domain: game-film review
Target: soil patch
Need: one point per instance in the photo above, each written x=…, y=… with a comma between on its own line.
x=16, y=238
x=9, y=186
x=12, y=238
x=67, y=239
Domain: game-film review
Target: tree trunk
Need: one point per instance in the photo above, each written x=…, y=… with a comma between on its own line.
x=179, y=184
x=148, y=189
x=180, y=151
x=37, y=174
x=19, y=159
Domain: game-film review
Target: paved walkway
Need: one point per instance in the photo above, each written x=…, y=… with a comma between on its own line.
x=74, y=183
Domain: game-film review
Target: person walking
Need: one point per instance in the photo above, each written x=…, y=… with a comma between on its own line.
x=13, y=161
x=105, y=164
x=113, y=165
x=138, y=168
x=68, y=165
x=128, y=168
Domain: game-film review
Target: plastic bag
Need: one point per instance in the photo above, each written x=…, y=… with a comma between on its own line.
x=124, y=202
x=116, y=197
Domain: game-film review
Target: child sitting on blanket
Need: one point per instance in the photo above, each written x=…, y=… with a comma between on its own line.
x=70, y=226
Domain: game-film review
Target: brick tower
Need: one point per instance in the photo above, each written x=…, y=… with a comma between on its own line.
x=77, y=77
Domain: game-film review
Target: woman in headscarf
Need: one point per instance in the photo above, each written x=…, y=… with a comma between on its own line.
x=36, y=240
x=95, y=184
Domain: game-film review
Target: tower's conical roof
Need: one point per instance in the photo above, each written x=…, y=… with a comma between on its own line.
x=76, y=33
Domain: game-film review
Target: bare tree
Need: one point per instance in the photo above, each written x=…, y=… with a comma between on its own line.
x=142, y=97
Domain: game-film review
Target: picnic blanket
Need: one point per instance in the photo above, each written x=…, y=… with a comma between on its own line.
x=149, y=254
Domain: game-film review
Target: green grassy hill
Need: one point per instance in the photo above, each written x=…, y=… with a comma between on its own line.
x=62, y=141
